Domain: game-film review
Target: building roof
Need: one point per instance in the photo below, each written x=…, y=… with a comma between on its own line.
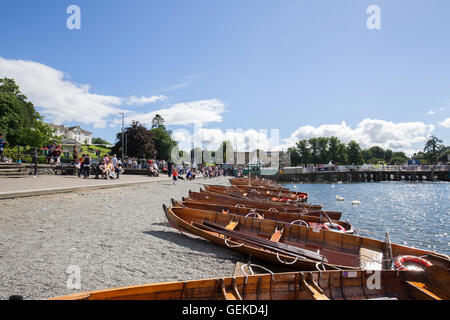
x=68, y=128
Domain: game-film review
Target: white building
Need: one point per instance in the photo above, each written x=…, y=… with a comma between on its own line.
x=72, y=133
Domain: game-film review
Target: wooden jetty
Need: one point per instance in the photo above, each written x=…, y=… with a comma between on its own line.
x=424, y=173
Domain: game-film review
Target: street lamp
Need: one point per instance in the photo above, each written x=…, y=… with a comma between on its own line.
x=123, y=134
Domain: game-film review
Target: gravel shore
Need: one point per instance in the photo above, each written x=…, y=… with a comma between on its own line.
x=117, y=237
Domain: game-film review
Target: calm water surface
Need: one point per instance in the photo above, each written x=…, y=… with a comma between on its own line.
x=416, y=214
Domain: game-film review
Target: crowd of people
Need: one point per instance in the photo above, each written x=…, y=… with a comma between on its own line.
x=108, y=167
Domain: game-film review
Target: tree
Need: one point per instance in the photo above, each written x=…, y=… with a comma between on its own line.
x=366, y=155
x=314, y=149
x=388, y=155
x=322, y=144
x=162, y=139
x=354, y=153
x=158, y=122
x=304, y=152
x=433, y=147
x=295, y=156
x=377, y=152
x=20, y=123
x=139, y=142
x=398, y=158
x=100, y=141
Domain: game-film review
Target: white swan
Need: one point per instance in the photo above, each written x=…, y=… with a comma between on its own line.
x=339, y=198
x=356, y=201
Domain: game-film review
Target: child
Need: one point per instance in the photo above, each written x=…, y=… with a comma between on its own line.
x=175, y=175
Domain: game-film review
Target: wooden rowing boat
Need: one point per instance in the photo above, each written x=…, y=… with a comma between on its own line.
x=335, y=215
x=292, y=244
x=251, y=193
x=272, y=191
x=433, y=284
x=287, y=207
x=234, y=192
x=256, y=183
x=318, y=219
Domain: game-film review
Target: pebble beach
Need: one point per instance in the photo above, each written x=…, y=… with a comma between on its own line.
x=116, y=237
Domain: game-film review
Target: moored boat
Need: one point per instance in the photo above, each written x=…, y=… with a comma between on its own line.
x=433, y=284
x=295, y=245
x=314, y=219
x=280, y=196
x=265, y=204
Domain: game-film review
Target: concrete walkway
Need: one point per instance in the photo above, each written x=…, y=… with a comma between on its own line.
x=41, y=185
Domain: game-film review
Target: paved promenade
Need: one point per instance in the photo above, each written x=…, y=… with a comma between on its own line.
x=40, y=185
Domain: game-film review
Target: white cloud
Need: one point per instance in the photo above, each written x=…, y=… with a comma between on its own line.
x=61, y=100
x=241, y=140
x=430, y=113
x=369, y=132
x=140, y=101
x=184, y=113
x=445, y=123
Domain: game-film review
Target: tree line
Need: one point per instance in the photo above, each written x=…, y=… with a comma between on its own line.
x=323, y=150
x=20, y=123
x=142, y=143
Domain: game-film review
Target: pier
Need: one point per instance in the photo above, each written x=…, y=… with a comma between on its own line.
x=364, y=174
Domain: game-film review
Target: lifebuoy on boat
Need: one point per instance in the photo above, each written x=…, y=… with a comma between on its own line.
x=410, y=263
x=334, y=227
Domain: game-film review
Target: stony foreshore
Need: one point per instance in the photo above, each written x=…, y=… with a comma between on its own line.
x=117, y=237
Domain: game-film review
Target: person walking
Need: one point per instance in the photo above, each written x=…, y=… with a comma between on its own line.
x=175, y=176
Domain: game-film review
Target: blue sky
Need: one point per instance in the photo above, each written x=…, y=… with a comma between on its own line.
x=303, y=67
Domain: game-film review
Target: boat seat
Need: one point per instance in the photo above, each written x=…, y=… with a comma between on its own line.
x=311, y=288
x=384, y=298
x=276, y=236
x=422, y=290
x=232, y=225
x=371, y=259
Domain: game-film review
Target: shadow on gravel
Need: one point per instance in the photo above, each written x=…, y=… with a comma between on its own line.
x=199, y=245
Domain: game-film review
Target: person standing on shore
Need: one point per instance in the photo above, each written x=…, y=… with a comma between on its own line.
x=2, y=144
x=81, y=166
x=169, y=168
x=87, y=166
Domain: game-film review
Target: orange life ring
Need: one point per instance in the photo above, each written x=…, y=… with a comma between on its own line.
x=335, y=227
x=401, y=262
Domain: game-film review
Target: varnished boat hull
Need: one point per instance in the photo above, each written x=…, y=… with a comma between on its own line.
x=342, y=251
x=433, y=284
x=314, y=219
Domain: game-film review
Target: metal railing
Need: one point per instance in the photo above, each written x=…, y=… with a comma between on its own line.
x=391, y=168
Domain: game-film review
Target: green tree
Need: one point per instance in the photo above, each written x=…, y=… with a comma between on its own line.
x=139, y=142
x=377, y=152
x=304, y=152
x=100, y=141
x=322, y=144
x=388, y=155
x=314, y=150
x=20, y=123
x=162, y=139
x=334, y=150
x=433, y=148
x=295, y=156
x=366, y=155
x=354, y=153
x=158, y=122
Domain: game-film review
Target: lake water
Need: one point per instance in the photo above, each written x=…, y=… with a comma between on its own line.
x=416, y=214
